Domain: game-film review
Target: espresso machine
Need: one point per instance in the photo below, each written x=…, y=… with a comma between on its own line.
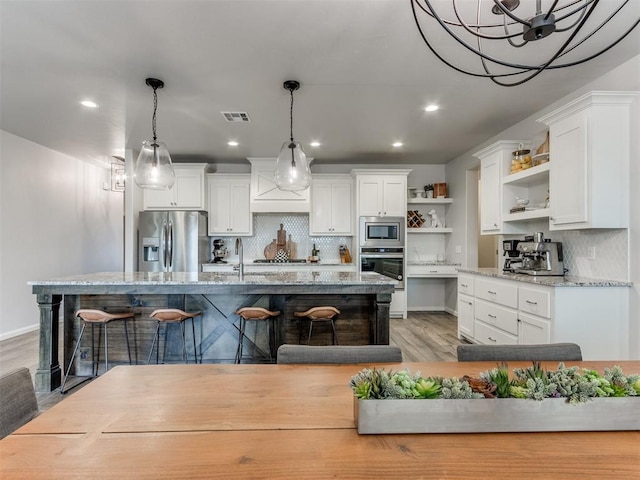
x=219, y=251
x=510, y=249
x=541, y=256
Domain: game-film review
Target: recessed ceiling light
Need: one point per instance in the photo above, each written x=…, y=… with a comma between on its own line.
x=232, y=143
x=315, y=144
x=89, y=103
x=431, y=108
x=397, y=144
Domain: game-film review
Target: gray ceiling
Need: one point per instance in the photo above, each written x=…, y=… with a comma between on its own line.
x=365, y=73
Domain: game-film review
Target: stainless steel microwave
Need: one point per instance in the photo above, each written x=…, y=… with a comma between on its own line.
x=382, y=231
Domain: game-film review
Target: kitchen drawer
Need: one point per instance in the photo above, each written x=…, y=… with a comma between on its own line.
x=490, y=335
x=432, y=271
x=505, y=293
x=465, y=284
x=535, y=301
x=500, y=317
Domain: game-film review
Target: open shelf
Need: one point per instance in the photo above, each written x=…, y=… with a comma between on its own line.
x=531, y=175
x=429, y=230
x=429, y=200
x=526, y=215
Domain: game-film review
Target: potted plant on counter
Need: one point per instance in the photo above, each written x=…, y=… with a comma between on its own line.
x=532, y=400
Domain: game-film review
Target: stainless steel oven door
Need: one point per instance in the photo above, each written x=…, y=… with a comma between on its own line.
x=388, y=264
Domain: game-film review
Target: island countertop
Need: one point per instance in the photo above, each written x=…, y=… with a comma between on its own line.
x=214, y=282
x=549, y=281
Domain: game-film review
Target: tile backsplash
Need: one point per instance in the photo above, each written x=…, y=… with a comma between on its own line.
x=611, y=252
x=265, y=226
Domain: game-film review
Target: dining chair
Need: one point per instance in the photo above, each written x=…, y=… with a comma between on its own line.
x=544, y=352
x=298, y=354
x=18, y=402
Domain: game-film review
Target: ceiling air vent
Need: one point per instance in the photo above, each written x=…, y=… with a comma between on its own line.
x=236, y=117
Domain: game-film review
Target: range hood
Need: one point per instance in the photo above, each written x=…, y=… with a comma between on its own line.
x=266, y=197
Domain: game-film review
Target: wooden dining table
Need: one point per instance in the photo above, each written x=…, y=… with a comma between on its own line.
x=282, y=421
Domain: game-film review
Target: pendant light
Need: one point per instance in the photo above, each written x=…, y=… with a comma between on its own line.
x=292, y=169
x=153, y=167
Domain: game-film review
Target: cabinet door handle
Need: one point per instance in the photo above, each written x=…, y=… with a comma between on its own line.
x=433, y=271
x=470, y=304
x=495, y=225
x=492, y=339
x=552, y=219
x=492, y=293
x=531, y=303
x=491, y=316
x=464, y=285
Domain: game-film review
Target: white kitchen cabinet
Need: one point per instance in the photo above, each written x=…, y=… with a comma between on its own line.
x=381, y=192
x=266, y=197
x=331, y=205
x=187, y=192
x=466, y=302
x=494, y=163
x=229, y=205
x=589, y=154
x=533, y=330
x=511, y=312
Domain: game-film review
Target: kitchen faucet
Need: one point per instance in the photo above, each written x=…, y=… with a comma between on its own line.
x=240, y=253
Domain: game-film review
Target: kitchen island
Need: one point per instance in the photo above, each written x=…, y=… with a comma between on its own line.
x=362, y=298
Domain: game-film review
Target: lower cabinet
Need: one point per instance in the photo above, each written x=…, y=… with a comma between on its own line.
x=497, y=311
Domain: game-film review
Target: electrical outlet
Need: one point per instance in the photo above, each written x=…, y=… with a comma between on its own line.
x=591, y=253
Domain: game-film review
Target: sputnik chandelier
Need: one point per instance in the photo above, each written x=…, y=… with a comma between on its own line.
x=517, y=40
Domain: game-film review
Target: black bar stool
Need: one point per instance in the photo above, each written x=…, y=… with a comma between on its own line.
x=173, y=315
x=93, y=317
x=319, y=314
x=255, y=314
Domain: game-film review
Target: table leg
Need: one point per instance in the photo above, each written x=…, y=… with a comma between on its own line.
x=48, y=376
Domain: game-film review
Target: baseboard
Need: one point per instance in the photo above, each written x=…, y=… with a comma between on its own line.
x=19, y=331
x=451, y=311
x=427, y=309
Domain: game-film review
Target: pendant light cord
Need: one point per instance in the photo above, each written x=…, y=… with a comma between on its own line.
x=291, y=115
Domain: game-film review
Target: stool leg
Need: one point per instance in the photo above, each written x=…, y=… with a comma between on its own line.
x=94, y=359
x=184, y=342
x=73, y=356
x=335, y=335
x=126, y=335
x=240, y=340
x=195, y=351
x=310, y=331
x=156, y=334
x=106, y=350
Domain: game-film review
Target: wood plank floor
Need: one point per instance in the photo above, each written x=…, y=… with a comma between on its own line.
x=423, y=337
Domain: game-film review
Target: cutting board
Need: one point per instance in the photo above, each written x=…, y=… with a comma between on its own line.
x=271, y=250
x=281, y=238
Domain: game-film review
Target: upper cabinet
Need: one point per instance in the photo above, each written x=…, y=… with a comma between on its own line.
x=493, y=161
x=589, y=150
x=187, y=192
x=381, y=192
x=267, y=197
x=229, y=205
x=331, y=205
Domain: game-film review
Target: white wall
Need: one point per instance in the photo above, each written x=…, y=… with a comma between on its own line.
x=626, y=77
x=55, y=220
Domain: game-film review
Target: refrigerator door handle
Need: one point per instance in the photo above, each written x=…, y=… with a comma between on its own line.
x=164, y=245
x=170, y=241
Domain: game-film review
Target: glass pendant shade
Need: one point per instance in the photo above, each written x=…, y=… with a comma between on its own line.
x=292, y=169
x=153, y=167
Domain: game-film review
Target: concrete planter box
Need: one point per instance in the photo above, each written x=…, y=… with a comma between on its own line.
x=495, y=415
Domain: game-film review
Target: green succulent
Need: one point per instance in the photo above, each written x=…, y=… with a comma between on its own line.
x=428, y=388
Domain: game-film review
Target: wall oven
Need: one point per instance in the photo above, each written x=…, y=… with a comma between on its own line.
x=382, y=232
x=387, y=261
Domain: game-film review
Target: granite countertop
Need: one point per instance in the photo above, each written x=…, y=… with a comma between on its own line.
x=433, y=262
x=251, y=263
x=566, y=281
x=215, y=278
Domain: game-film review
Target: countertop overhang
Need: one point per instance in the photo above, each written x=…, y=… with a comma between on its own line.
x=216, y=283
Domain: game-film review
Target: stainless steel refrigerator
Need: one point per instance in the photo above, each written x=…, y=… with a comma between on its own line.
x=172, y=241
